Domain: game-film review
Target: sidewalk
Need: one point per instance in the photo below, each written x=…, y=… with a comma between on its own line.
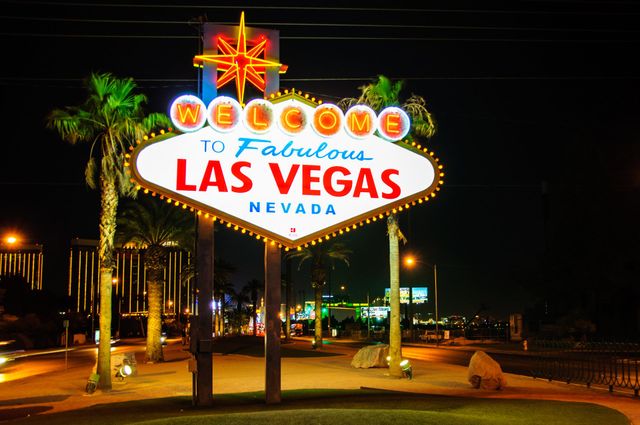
x=61, y=391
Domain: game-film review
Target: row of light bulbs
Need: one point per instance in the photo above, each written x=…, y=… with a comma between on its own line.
x=327, y=237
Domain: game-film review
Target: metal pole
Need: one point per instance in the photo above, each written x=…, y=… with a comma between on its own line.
x=202, y=344
x=435, y=281
x=329, y=303
x=66, y=345
x=410, y=314
x=368, y=317
x=273, y=323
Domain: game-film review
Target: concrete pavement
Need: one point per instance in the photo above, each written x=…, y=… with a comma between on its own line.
x=60, y=391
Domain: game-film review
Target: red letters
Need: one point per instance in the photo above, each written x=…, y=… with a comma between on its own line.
x=335, y=181
x=181, y=176
x=308, y=179
x=283, y=185
x=386, y=179
x=219, y=182
x=327, y=182
x=236, y=170
x=365, y=183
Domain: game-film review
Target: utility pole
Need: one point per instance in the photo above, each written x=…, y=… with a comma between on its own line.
x=202, y=344
x=435, y=284
x=368, y=316
x=273, y=323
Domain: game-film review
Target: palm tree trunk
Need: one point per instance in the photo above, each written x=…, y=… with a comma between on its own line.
x=318, y=308
x=107, y=228
x=288, y=298
x=395, y=337
x=154, y=352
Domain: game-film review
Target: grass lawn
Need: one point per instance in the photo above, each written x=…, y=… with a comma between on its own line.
x=369, y=407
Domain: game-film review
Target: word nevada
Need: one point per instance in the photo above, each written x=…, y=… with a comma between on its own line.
x=224, y=114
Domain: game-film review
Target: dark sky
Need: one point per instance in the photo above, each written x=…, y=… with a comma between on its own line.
x=537, y=107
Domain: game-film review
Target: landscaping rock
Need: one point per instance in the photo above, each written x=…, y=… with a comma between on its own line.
x=485, y=373
x=371, y=356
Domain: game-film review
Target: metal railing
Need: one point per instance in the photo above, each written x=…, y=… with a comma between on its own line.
x=611, y=364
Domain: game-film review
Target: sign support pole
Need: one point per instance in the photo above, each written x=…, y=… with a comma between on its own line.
x=273, y=323
x=202, y=345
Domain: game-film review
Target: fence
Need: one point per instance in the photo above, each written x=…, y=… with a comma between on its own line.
x=614, y=365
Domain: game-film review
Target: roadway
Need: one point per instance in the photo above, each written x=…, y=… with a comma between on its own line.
x=38, y=362
x=41, y=362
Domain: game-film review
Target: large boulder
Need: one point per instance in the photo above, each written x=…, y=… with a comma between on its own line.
x=485, y=373
x=371, y=356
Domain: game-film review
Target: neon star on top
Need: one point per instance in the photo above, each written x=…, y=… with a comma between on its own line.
x=239, y=64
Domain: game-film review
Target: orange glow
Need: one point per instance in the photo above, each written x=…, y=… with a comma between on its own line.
x=11, y=240
x=391, y=123
x=239, y=64
x=223, y=115
x=359, y=120
x=258, y=118
x=327, y=120
x=188, y=113
x=258, y=115
x=292, y=119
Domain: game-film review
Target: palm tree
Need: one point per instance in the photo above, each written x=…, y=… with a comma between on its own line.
x=221, y=285
x=320, y=255
x=156, y=226
x=239, y=298
x=379, y=95
x=111, y=119
x=253, y=288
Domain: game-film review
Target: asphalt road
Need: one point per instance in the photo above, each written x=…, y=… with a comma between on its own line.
x=35, y=363
x=511, y=363
x=32, y=364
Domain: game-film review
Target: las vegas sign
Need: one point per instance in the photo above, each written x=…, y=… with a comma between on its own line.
x=286, y=169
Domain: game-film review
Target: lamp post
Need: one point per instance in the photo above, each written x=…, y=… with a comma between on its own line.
x=411, y=261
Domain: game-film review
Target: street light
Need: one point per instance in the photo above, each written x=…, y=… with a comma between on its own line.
x=411, y=261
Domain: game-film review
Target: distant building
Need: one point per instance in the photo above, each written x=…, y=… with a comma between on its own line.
x=129, y=280
x=22, y=260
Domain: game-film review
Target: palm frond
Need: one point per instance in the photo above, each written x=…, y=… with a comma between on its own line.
x=91, y=174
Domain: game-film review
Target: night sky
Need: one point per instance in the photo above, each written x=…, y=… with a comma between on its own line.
x=537, y=107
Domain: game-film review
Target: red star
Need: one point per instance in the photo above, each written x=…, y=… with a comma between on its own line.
x=239, y=64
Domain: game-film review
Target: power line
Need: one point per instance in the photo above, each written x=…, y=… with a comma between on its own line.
x=317, y=8
x=333, y=38
x=323, y=24
x=358, y=78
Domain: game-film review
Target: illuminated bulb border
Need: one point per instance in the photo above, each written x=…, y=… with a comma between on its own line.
x=236, y=227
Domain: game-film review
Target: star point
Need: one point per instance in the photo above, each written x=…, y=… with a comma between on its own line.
x=236, y=63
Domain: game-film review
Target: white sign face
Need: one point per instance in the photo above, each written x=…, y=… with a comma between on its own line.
x=292, y=187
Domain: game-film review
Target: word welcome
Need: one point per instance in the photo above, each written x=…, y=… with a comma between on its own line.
x=224, y=114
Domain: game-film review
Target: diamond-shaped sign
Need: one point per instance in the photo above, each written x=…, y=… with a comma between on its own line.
x=279, y=174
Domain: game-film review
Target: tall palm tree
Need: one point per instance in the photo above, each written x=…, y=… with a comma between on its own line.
x=321, y=256
x=253, y=288
x=222, y=292
x=221, y=285
x=240, y=299
x=379, y=95
x=111, y=119
x=156, y=226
